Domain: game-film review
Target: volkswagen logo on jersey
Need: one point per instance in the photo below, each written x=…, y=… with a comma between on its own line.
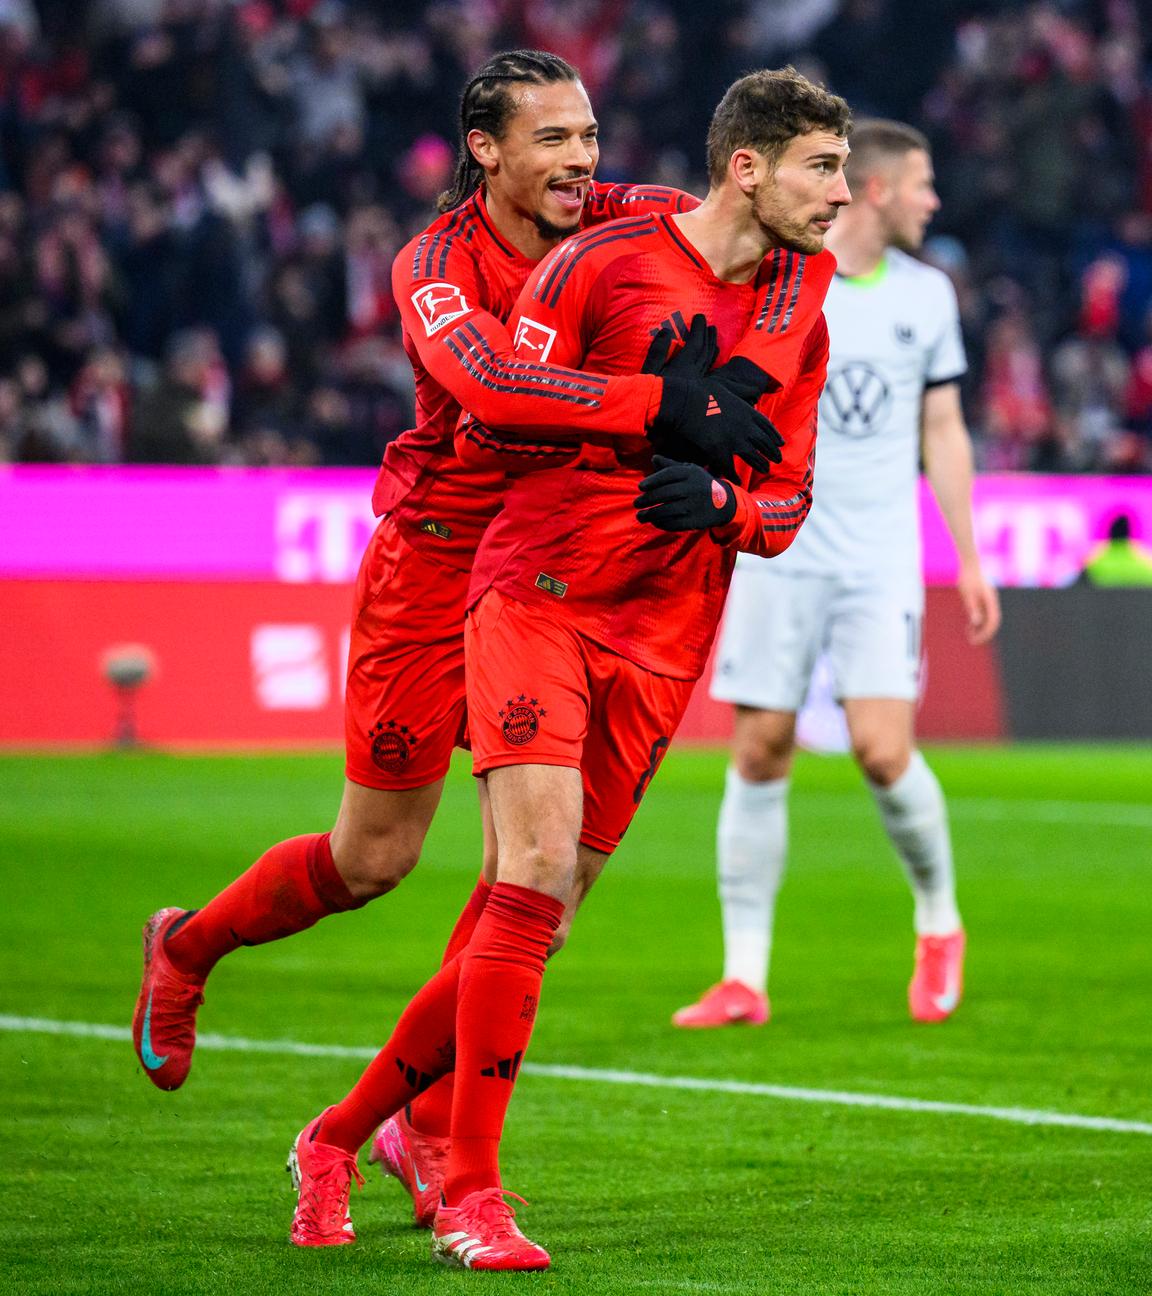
x=856, y=400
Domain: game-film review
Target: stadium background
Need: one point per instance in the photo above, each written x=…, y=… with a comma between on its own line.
x=199, y=204
x=199, y=368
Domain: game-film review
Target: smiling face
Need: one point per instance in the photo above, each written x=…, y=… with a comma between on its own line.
x=797, y=201
x=542, y=166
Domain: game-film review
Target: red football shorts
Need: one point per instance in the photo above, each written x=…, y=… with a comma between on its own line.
x=404, y=705
x=540, y=693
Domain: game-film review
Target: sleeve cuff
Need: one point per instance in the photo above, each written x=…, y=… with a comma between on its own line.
x=731, y=531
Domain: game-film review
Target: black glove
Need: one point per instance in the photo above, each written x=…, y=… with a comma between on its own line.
x=745, y=379
x=701, y=419
x=684, y=497
x=717, y=426
x=742, y=377
x=695, y=357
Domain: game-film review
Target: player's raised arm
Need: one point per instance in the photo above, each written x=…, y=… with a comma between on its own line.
x=471, y=353
x=790, y=297
x=554, y=318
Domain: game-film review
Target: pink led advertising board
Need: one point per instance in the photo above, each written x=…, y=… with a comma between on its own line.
x=304, y=526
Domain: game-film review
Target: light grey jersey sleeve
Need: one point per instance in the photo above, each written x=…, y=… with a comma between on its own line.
x=946, y=361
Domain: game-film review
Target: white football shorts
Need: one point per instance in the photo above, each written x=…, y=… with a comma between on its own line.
x=776, y=625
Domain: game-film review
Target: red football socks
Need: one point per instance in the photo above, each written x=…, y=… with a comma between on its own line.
x=431, y=1113
x=289, y=889
x=466, y=923
x=420, y=1051
x=499, y=986
x=477, y=1013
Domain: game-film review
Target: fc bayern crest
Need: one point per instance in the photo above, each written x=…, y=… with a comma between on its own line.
x=392, y=744
x=521, y=718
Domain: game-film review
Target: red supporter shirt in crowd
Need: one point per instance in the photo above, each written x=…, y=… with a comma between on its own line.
x=456, y=283
x=568, y=539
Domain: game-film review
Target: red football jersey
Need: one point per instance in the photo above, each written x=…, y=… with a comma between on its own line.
x=455, y=284
x=568, y=538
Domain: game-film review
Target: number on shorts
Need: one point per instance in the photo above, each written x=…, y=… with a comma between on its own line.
x=912, y=625
x=659, y=747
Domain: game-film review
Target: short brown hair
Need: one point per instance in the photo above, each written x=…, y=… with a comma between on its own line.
x=877, y=140
x=766, y=110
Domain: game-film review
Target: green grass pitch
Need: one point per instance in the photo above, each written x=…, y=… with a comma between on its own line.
x=107, y=1185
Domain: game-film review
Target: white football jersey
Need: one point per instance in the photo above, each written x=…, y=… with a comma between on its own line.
x=892, y=334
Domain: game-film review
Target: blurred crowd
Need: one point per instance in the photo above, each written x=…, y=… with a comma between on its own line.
x=200, y=201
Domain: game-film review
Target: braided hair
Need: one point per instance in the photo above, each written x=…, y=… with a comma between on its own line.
x=487, y=105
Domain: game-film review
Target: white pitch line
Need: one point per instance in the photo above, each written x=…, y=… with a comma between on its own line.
x=591, y=1075
x=1017, y=1115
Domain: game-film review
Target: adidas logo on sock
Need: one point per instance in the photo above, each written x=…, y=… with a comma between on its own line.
x=713, y=407
x=506, y=1068
x=417, y=1080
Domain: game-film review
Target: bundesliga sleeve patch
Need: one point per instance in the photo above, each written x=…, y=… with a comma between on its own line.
x=438, y=305
x=534, y=339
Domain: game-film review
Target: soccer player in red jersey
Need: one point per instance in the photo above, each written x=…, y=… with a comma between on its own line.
x=528, y=151
x=591, y=620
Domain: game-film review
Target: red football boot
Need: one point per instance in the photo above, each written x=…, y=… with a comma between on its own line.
x=731, y=1003
x=481, y=1233
x=938, y=981
x=322, y=1176
x=164, y=1023
x=417, y=1160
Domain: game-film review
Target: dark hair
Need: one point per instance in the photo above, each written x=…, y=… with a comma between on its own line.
x=876, y=140
x=765, y=110
x=488, y=105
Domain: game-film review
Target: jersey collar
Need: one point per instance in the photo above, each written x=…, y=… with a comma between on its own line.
x=668, y=225
x=481, y=209
x=874, y=276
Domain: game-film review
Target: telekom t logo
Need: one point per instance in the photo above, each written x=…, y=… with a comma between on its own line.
x=321, y=535
x=1041, y=542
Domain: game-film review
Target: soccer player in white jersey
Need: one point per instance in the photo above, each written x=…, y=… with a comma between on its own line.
x=851, y=585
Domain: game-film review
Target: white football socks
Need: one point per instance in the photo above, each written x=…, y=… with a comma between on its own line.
x=751, y=846
x=916, y=820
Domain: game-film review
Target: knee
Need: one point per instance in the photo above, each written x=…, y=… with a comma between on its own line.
x=762, y=757
x=882, y=760
x=546, y=865
x=372, y=864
